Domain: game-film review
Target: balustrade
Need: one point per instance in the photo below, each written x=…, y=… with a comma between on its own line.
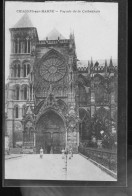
x=104, y=157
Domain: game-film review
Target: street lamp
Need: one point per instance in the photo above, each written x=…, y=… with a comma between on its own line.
x=71, y=124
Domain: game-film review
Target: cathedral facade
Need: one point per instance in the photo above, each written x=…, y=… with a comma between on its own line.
x=51, y=96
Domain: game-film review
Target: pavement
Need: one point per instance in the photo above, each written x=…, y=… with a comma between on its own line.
x=53, y=167
x=11, y=156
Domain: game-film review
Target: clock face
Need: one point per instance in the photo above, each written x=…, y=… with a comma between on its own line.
x=53, y=69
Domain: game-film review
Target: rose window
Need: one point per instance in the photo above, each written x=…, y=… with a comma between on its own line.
x=53, y=69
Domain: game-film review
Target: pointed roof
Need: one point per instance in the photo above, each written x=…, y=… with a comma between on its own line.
x=111, y=62
x=105, y=63
x=54, y=35
x=24, y=22
x=29, y=111
x=91, y=62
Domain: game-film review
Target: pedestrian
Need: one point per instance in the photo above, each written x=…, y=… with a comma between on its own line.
x=63, y=153
x=41, y=152
x=71, y=152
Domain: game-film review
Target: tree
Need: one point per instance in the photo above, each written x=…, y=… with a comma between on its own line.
x=101, y=130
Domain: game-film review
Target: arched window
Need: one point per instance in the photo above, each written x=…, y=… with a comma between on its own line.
x=15, y=70
x=28, y=69
x=25, y=135
x=23, y=110
x=99, y=94
x=31, y=134
x=19, y=46
x=16, y=112
x=84, y=125
x=25, y=93
x=17, y=91
x=19, y=69
x=15, y=45
x=24, y=70
x=25, y=46
x=29, y=46
x=82, y=95
x=31, y=91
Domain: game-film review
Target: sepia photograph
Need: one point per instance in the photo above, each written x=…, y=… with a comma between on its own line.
x=61, y=91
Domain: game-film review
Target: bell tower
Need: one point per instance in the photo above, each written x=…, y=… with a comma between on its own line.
x=20, y=89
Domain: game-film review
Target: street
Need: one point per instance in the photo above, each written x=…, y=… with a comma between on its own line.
x=52, y=167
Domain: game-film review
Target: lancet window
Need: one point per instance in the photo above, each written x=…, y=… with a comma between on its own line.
x=26, y=69
x=16, y=69
x=16, y=111
x=21, y=46
x=31, y=92
x=17, y=92
x=24, y=92
x=82, y=95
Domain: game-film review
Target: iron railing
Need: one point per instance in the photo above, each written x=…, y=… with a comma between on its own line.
x=104, y=157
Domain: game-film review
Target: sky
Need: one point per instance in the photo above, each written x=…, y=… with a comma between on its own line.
x=95, y=25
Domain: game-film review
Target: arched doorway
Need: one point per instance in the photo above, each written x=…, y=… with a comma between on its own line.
x=51, y=135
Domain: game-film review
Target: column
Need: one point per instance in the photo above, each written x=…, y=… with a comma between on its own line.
x=20, y=70
x=26, y=70
x=16, y=70
x=78, y=138
x=34, y=143
x=30, y=46
x=27, y=45
x=22, y=46
x=19, y=93
x=18, y=45
x=11, y=72
x=20, y=112
x=66, y=136
x=29, y=94
x=12, y=46
x=32, y=92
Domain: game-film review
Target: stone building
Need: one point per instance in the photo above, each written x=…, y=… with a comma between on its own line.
x=51, y=96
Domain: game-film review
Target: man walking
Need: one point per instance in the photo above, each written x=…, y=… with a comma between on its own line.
x=41, y=152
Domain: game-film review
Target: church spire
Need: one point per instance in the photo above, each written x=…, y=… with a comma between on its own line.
x=111, y=62
x=91, y=63
x=105, y=67
x=89, y=67
x=24, y=22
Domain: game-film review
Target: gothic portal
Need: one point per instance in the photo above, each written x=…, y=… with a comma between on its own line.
x=51, y=96
x=51, y=133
